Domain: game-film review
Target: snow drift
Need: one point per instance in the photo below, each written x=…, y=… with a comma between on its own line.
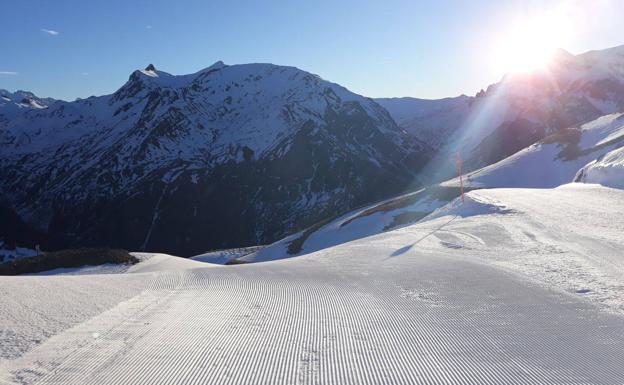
x=608, y=170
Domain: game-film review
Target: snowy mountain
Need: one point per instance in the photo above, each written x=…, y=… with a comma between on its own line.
x=520, y=110
x=509, y=285
x=13, y=103
x=591, y=153
x=239, y=155
x=227, y=156
x=524, y=108
x=432, y=121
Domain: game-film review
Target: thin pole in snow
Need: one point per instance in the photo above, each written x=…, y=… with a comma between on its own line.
x=458, y=164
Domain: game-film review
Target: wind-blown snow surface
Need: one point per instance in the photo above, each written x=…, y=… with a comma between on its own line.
x=226, y=255
x=497, y=291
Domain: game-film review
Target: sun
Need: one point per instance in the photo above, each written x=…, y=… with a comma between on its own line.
x=530, y=44
x=526, y=51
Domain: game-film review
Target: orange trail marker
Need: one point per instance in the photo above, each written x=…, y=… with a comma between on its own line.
x=458, y=164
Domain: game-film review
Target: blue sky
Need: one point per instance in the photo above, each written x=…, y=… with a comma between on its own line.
x=430, y=49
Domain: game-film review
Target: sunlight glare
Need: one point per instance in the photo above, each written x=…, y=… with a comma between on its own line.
x=530, y=44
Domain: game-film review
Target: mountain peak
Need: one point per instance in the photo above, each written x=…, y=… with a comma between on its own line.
x=218, y=64
x=150, y=67
x=214, y=67
x=561, y=53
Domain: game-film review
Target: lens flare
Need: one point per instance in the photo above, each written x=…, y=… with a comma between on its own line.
x=530, y=44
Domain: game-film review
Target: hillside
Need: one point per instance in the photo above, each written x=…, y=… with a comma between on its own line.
x=575, y=154
x=554, y=160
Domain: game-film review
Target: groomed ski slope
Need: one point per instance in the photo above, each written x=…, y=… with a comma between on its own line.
x=469, y=296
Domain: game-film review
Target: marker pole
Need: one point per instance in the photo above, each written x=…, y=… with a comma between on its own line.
x=458, y=164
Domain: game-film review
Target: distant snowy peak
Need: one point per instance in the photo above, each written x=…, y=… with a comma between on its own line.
x=407, y=108
x=251, y=104
x=23, y=99
x=597, y=75
x=216, y=66
x=610, y=58
x=520, y=109
x=524, y=108
x=432, y=121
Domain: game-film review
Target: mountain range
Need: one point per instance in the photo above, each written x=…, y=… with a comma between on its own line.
x=516, y=112
x=246, y=154
x=230, y=155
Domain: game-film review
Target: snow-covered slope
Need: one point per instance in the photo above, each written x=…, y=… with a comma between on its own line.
x=226, y=255
x=13, y=104
x=158, y=262
x=569, y=237
x=225, y=157
x=549, y=163
x=553, y=161
x=362, y=222
x=10, y=101
x=608, y=170
x=508, y=289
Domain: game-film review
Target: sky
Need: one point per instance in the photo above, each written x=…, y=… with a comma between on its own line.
x=429, y=49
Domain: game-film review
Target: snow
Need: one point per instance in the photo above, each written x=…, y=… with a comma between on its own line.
x=159, y=262
x=472, y=205
x=607, y=170
x=543, y=164
x=514, y=285
x=359, y=223
x=35, y=308
x=520, y=286
x=152, y=74
x=538, y=166
x=8, y=254
x=568, y=237
x=226, y=255
x=431, y=121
